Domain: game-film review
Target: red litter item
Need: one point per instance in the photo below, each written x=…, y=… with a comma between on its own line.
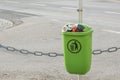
x=74, y=29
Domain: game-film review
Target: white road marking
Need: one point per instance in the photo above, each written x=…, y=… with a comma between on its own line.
x=43, y=5
x=12, y=1
x=111, y=12
x=68, y=8
x=111, y=31
x=55, y=20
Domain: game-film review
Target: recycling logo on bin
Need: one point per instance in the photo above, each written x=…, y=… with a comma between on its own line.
x=74, y=46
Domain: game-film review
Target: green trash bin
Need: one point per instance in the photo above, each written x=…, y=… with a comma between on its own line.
x=77, y=48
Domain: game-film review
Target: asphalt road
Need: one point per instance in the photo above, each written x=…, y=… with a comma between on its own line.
x=101, y=12
x=37, y=26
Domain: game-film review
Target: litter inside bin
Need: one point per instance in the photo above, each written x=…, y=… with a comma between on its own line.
x=73, y=28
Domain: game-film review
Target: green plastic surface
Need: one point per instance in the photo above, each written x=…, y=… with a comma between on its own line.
x=77, y=48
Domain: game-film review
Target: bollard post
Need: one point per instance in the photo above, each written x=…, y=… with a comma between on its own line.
x=80, y=21
x=80, y=12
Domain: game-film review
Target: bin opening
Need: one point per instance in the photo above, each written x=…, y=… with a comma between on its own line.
x=76, y=29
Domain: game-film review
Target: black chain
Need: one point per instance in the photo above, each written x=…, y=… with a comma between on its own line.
x=109, y=50
x=54, y=54
x=36, y=53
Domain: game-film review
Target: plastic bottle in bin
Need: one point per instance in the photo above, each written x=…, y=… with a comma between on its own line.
x=67, y=28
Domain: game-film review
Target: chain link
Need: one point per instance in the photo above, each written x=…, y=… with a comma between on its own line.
x=54, y=54
x=109, y=50
x=38, y=53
